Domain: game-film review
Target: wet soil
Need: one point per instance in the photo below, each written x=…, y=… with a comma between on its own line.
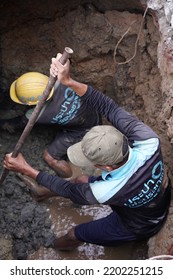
x=64, y=214
x=29, y=225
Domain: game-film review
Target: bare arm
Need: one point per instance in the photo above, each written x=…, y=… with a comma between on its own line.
x=63, y=75
x=20, y=165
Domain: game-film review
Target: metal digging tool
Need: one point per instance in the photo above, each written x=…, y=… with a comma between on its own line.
x=65, y=56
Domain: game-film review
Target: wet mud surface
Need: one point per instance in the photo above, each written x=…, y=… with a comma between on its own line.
x=30, y=225
x=64, y=214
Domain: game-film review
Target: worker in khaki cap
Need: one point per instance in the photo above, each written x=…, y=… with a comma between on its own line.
x=64, y=109
x=133, y=181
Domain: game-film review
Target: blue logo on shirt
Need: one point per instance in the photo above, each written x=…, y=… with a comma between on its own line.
x=151, y=188
x=69, y=108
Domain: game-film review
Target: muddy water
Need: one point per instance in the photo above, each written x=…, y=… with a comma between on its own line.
x=63, y=215
x=62, y=212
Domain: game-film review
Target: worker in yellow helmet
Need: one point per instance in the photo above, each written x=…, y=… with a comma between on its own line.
x=63, y=109
x=28, y=88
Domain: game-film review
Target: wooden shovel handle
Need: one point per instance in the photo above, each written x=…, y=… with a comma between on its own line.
x=65, y=56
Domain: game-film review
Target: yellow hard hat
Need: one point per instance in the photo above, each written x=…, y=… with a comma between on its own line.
x=28, y=88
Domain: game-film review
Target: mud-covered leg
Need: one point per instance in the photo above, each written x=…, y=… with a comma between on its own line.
x=61, y=167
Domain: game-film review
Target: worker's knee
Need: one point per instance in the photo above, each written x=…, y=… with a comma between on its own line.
x=47, y=157
x=61, y=167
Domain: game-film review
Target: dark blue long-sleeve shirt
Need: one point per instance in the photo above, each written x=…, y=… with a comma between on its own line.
x=135, y=190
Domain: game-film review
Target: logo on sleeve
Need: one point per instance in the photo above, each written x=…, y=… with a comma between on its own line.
x=150, y=189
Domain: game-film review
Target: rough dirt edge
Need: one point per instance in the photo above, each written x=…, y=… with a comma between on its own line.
x=161, y=242
x=6, y=248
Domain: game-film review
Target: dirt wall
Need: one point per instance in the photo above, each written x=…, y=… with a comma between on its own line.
x=31, y=37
